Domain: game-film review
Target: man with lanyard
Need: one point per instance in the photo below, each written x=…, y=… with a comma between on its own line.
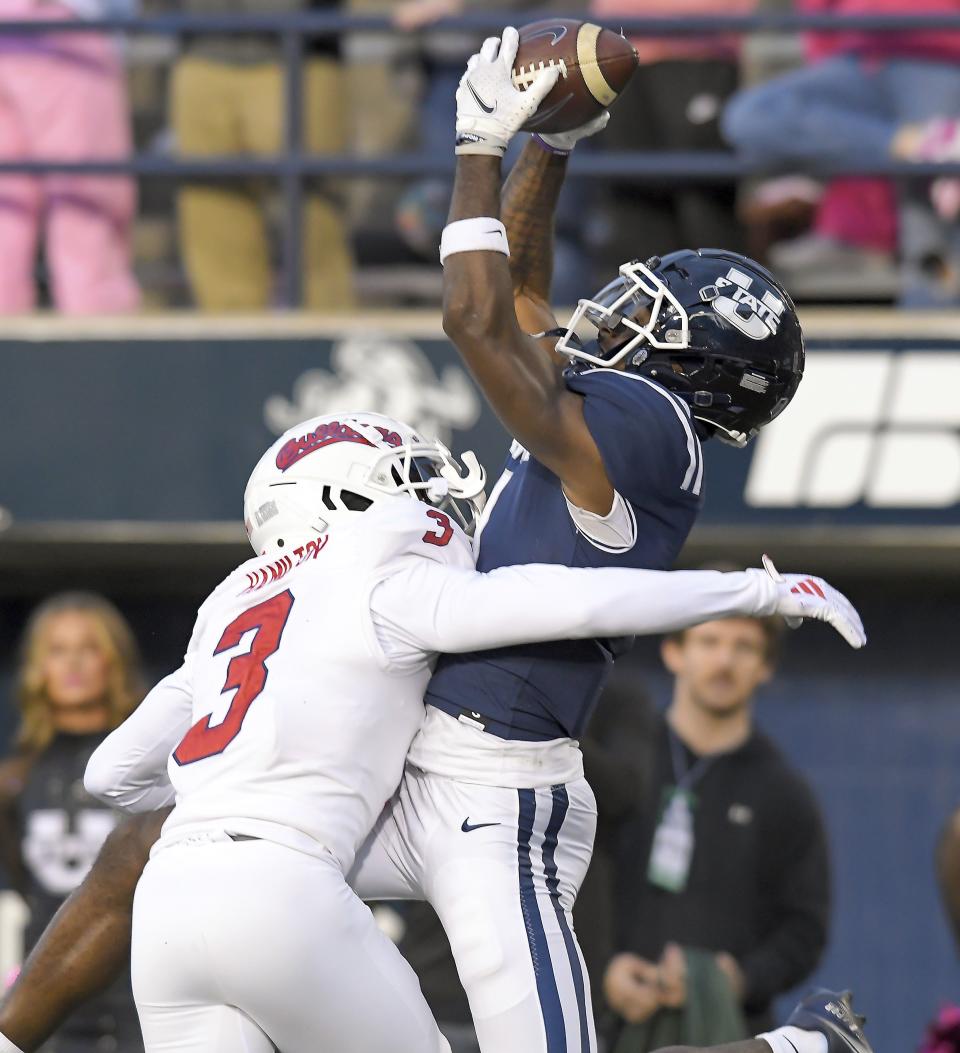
x=727, y=850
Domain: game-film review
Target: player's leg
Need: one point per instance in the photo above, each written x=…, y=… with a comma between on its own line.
x=175, y=983
x=201, y=1029
x=388, y=866
x=502, y=870
x=87, y=944
x=279, y=935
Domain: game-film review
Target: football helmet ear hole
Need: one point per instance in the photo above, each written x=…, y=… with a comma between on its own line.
x=355, y=502
x=688, y=365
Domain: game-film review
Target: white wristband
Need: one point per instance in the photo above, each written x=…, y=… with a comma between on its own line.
x=794, y=1040
x=474, y=235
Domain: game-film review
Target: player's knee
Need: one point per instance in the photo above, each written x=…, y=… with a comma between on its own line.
x=475, y=943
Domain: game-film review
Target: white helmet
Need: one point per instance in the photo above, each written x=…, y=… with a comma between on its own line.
x=331, y=467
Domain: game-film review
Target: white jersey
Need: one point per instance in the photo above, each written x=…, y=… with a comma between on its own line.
x=302, y=687
x=290, y=725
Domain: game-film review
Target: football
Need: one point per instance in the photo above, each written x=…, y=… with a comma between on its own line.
x=595, y=66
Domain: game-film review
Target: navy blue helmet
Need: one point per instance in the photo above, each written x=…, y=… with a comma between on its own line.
x=712, y=326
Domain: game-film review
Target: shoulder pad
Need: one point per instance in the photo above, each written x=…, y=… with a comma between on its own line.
x=405, y=527
x=629, y=390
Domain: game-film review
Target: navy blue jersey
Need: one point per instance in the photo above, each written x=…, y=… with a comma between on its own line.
x=653, y=459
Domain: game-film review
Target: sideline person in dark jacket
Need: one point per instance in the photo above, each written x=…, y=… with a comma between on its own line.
x=726, y=850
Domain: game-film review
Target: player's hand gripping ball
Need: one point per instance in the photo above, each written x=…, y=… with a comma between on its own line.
x=595, y=67
x=555, y=77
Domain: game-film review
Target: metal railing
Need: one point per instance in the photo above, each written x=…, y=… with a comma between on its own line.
x=292, y=168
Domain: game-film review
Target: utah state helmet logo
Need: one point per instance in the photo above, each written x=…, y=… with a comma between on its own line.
x=731, y=298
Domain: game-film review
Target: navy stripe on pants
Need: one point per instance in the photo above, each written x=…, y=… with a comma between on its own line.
x=560, y=805
x=547, y=992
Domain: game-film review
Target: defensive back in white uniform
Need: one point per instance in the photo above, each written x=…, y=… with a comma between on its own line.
x=285, y=731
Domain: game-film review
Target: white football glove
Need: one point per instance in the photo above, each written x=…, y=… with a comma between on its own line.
x=802, y=596
x=564, y=142
x=490, y=110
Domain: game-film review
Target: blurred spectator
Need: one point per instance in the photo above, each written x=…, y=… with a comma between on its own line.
x=227, y=97
x=722, y=880
x=444, y=54
x=421, y=213
x=943, y=1034
x=948, y=872
x=674, y=103
x=853, y=226
x=879, y=96
x=63, y=97
x=79, y=678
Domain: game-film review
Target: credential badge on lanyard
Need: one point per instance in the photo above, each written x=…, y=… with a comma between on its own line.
x=673, y=842
x=672, y=851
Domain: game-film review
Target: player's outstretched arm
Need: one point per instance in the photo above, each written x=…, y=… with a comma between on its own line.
x=462, y=611
x=521, y=383
x=87, y=944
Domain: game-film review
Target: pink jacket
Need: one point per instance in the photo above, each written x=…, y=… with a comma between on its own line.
x=936, y=45
x=93, y=51
x=656, y=49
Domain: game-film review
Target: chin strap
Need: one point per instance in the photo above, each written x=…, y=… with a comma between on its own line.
x=731, y=438
x=469, y=485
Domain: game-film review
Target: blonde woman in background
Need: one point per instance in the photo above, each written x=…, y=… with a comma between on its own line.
x=79, y=677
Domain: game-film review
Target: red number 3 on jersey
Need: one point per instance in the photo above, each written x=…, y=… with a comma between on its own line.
x=246, y=674
x=445, y=529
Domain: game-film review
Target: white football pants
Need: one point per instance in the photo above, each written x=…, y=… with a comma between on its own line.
x=242, y=946
x=502, y=868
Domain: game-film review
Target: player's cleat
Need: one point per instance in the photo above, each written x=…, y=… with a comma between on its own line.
x=832, y=1015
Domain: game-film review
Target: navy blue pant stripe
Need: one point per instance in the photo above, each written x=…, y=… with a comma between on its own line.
x=560, y=805
x=547, y=992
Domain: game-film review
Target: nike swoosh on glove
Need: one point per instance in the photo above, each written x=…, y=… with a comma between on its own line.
x=490, y=109
x=802, y=596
